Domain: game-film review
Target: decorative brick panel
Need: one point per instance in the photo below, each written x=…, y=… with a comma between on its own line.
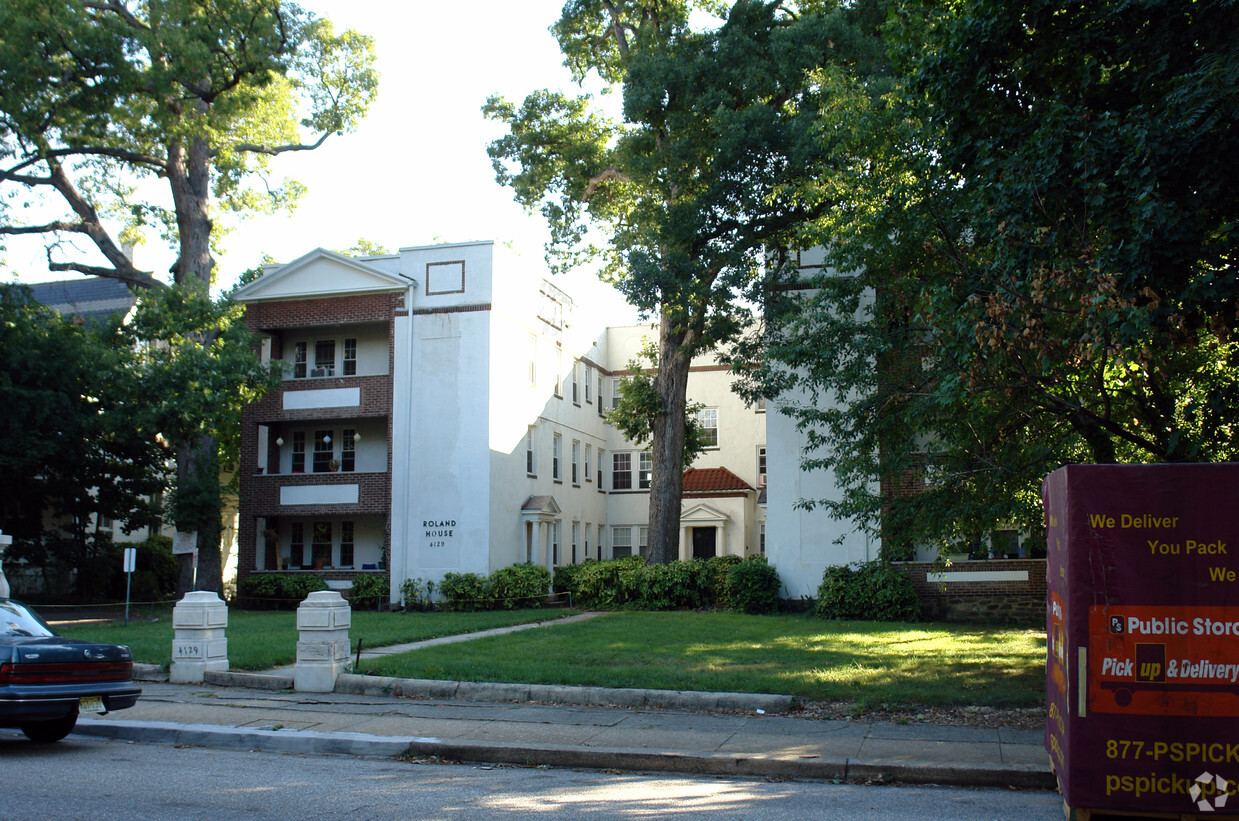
x=376, y=400
x=272, y=317
x=980, y=601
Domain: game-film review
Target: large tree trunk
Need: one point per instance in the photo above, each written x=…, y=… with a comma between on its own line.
x=667, y=482
x=197, y=463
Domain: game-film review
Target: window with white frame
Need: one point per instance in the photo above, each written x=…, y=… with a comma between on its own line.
x=322, y=451
x=299, y=360
x=576, y=383
x=646, y=470
x=761, y=538
x=761, y=466
x=298, y=463
x=589, y=377
x=346, y=544
x=559, y=371
x=576, y=539
x=557, y=451
x=589, y=462
x=350, y=357
x=643, y=543
x=348, y=450
x=617, y=391
x=601, y=530
x=296, y=544
x=601, y=403
x=576, y=462
x=320, y=548
x=324, y=358
x=585, y=548
x=531, y=464
x=602, y=460
x=621, y=542
x=556, y=532
x=621, y=471
x=707, y=424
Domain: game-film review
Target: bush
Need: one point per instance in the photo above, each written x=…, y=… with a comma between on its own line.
x=465, y=591
x=417, y=594
x=753, y=586
x=273, y=591
x=675, y=586
x=873, y=590
x=296, y=588
x=717, y=568
x=369, y=590
x=521, y=585
x=565, y=577
x=598, y=584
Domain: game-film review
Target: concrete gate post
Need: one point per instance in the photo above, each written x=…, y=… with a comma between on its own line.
x=198, y=643
x=323, y=620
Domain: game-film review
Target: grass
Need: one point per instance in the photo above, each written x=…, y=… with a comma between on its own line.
x=872, y=663
x=260, y=640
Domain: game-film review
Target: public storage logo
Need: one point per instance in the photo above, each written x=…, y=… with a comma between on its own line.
x=1209, y=792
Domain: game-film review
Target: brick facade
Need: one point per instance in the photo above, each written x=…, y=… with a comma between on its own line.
x=1002, y=602
x=260, y=493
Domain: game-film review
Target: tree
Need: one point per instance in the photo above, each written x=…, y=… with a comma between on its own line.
x=715, y=161
x=75, y=446
x=1039, y=222
x=104, y=100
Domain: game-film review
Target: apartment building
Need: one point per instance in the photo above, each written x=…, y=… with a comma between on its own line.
x=443, y=410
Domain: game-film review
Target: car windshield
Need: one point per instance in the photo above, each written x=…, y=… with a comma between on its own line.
x=16, y=620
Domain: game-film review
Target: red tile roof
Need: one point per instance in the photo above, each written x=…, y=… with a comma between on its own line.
x=711, y=480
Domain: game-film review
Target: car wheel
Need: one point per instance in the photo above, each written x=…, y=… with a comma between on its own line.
x=55, y=729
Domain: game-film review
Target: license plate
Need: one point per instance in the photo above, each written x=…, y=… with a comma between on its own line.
x=90, y=704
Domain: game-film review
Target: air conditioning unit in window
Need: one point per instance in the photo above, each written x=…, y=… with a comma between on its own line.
x=761, y=480
x=320, y=372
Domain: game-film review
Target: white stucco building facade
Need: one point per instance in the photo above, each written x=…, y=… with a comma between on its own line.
x=443, y=410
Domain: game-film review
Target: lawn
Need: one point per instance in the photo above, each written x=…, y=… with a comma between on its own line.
x=871, y=663
x=262, y=639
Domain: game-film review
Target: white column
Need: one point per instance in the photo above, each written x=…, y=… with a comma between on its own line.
x=198, y=644
x=323, y=620
x=721, y=539
x=684, y=552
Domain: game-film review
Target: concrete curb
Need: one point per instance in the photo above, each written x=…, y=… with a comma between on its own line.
x=309, y=742
x=349, y=683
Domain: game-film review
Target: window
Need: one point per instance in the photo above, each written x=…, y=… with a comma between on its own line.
x=707, y=422
x=761, y=466
x=559, y=371
x=601, y=412
x=350, y=357
x=299, y=360
x=322, y=451
x=550, y=309
x=320, y=549
x=601, y=530
x=555, y=534
x=557, y=451
x=324, y=358
x=589, y=462
x=647, y=467
x=616, y=392
x=576, y=533
x=602, y=458
x=576, y=462
x=576, y=387
x=348, y=450
x=589, y=377
x=761, y=538
x=621, y=542
x=643, y=545
x=531, y=465
x=621, y=471
x=298, y=465
x=296, y=545
x=346, y=544
x=760, y=405
x=585, y=553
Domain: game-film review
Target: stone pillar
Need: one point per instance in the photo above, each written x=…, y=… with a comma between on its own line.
x=198, y=643
x=323, y=620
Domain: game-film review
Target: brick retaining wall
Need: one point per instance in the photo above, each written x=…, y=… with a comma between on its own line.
x=975, y=598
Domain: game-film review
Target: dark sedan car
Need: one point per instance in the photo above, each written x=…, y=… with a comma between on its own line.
x=45, y=680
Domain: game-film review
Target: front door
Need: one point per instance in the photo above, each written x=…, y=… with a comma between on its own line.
x=703, y=542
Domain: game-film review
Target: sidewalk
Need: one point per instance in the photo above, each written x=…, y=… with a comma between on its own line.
x=646, y=730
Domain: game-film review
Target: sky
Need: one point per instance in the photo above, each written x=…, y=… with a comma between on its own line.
x=416, y=171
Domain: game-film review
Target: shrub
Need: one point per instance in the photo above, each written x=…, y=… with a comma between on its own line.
x=521, y=585
x=717, y=568
x=873, y=590
x=465, y=591
x=565, y=577
x=296, y=588
x=273, y=591
x=417, y=594
x=598, y=584
x=368, y=590
x=676, y=585
x=753, y=586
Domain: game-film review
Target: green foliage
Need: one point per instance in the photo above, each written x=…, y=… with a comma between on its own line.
x=874, y=591
x=369, y=590
x=262, y=591
x=605, y=584
x=466, y=591
x=519, y=586
x=753, y=586
x=417, y=594
x=639, y=405
x=718, y=568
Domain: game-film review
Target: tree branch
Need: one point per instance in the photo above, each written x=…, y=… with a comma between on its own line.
x=129, y=274
x=273, y=150
x=119, y=8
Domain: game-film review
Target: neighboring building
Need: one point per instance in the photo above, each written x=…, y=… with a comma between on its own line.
x=443, y=411
x=86, y=299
